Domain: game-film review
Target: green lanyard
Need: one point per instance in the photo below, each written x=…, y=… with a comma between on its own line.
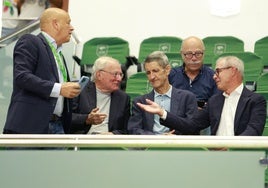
x=59, y=61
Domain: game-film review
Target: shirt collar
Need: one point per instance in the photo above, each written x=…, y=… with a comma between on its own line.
x=168, y=93
x=52, y=41
x=237, y=91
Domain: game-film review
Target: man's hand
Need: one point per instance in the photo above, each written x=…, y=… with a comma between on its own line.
x=94, y=117
x=70, y=89
x=151, y=107
x=170, y=133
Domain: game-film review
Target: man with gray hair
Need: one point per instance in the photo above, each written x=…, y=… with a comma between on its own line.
x=102, y=108
x=179, y=103
x=236, y=111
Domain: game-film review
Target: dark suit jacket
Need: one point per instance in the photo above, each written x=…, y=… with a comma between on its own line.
x=87, y=100
x=35, y=73
x=250, y=115
x=183, y=104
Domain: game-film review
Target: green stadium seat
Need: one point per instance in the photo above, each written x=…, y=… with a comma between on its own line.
x=159, y=43
x=216, y=45
x=115, y=47
x=261, y=49
x=174, y=59
x=138, y=84
x=262, y=85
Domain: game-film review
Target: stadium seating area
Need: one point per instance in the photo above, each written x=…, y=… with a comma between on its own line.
x=256, y=63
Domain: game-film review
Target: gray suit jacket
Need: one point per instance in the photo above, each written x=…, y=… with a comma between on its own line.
x=250, y=115
x=183, y=104
x=87, y=100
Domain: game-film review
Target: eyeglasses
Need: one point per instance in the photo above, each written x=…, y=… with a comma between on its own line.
x=114, y=74
x=190, y=55
x=218, y=70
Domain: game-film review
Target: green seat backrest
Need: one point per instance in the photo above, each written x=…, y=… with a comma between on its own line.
x=138, y=84
x=174, y=59
x=160, y=43
x=252, y=65
x=105, y=46
x=261, y=49
x=216, y=45
x=262, y=84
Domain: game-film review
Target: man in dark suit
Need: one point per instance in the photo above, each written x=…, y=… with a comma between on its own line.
x=177, y=102
x=40, y=102
x=102, y=108
x=236, y=111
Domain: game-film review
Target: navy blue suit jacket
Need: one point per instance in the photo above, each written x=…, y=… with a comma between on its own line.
x=250, y=115
x=87, y=101
x=35, y=73
x=183, y=104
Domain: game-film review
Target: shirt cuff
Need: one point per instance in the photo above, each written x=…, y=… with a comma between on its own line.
x=55, y=90
x=164, y=116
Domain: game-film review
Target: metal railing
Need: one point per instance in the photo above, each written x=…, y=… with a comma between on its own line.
x=134, y=141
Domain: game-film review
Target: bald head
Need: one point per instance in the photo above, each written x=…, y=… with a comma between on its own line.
x=49, y=15
x=56, y=23
x=194, y=42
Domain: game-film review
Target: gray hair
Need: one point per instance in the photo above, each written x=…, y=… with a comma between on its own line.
x=158, y=56
x=100, y=64
x=232, y=61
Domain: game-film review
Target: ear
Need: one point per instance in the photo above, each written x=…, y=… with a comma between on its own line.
x=55, y=24
x=168, y=69
x=98, y=74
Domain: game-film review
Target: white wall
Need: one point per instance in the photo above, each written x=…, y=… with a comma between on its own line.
x=137, y=20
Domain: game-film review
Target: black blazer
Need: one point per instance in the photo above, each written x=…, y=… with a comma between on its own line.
x=183, y=104
x=250, y=115
x=87, y=100
x=35, y=73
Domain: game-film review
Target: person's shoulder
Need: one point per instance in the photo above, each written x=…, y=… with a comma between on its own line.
x=28, y=36
x=176, y=69
x=121, y=94
x=208, y=70
x=141, y=98
x=175, y=72
x=248, y=93
x=181, y=92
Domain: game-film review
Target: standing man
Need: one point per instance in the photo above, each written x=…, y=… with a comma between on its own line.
x=193, y=75
x=173, y=101
x=40, y=102
x=236, y=111
x=102, y=108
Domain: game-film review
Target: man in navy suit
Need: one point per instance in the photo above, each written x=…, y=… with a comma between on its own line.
x=179, y=103
x=40, y=102
x=236, y=111
x=102, y=108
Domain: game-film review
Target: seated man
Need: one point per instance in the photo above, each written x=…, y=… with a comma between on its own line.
x=177, y=102
x=236, y=111
x=102, y=108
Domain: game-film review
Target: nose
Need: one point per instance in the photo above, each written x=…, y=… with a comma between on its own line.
x=71, y=28
x=215, y=76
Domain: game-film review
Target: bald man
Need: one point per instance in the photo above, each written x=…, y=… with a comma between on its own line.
x=40, y=102
x=193, y=75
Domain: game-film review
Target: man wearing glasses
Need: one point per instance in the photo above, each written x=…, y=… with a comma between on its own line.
x=193, y=75
x=236, y=111
x=102, y=108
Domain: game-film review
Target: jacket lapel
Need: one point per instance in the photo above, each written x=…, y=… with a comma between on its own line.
x=241, y=105
x=52, y=62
